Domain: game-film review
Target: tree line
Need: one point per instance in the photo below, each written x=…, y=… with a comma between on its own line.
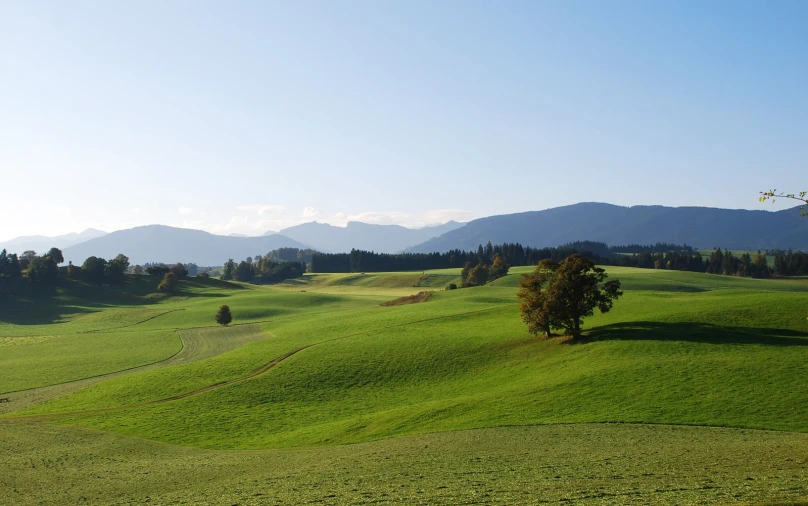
x=45, y=269
x=261, y=272
x=277, y=265
x=788, y=263
x=657, y=256
x=513, y=254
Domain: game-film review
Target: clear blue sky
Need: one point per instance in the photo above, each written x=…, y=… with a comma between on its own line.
x=247, y=116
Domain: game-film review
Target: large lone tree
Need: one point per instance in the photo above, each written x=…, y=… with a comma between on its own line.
x=560, y=295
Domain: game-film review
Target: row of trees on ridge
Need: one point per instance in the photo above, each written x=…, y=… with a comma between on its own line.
x=658, y=256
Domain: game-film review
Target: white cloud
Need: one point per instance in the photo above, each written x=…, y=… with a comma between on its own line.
x=382, y=217
x=239, y=225
x=262, y=218
x=137, y=210
x=185, y=211
x=434, y=217
x=439, y=216
x=263, y=209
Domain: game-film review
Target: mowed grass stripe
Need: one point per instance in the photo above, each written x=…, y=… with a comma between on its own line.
x=208, y=342
x=197, y=344
x=217, y=333
x=73, y=357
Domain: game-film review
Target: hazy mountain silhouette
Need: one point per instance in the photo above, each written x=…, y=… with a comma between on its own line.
x=159, y=243
x=364, y=236
x=42, y=244
x=701, y=227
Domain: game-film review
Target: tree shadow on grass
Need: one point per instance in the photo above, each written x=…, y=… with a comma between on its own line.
x=696, y=333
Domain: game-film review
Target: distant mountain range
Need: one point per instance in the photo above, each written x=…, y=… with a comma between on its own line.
x=159, y=243
x=379, y=238
x=42, y=244
x=701, y=227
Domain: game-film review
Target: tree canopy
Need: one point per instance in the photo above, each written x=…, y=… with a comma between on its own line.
x=223, y=316
x=169, y=282
x=559, y=296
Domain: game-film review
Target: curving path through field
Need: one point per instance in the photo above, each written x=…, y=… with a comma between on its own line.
x=197, y=344
x=257, y=372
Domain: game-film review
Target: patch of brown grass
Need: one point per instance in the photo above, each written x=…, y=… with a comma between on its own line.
x=422, y=296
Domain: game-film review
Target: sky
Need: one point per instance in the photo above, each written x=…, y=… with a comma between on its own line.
x=243, y=117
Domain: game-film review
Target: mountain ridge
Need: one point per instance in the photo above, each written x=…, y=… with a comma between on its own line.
x=365, y=236
x=703, y=227
x=161, y=243
x=42, y=243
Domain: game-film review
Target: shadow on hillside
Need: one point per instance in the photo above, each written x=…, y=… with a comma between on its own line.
x=46, y=308
x=294, y=281
x=193, y=295
x=697, y=333
x=212, y=282
x=28, y=304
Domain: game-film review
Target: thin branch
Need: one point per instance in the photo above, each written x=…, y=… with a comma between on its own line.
x=773, y=195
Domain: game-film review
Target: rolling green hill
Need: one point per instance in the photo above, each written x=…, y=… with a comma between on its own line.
x=316, y=363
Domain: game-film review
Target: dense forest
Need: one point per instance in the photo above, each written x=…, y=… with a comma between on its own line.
x=658, y=256
x=512, y=253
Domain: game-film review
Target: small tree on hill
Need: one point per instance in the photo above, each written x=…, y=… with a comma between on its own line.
x=56, y=255
x=228, y=270
x=573, y=290
x=169, y=282
x=9, y=268
x=94, y=268
x=223, y=316
x=116, y=269
x=499, y=267
x=73, y=271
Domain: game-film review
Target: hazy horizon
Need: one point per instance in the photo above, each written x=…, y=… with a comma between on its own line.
x=252, y=116
x=796, y=208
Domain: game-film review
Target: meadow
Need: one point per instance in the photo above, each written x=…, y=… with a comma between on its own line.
x=693, y=390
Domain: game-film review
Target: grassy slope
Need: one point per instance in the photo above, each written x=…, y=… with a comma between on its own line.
x=726, y=357
x=675, y=350
x=578, y=464
x=30, y=362
x=78, y=331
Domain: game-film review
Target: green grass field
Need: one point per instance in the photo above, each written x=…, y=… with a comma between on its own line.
x=319, y=394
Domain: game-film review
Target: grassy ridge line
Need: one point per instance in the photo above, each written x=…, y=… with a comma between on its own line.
x=106, y=328
x=139, y=322
x=257, y=372
x=191, y=351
